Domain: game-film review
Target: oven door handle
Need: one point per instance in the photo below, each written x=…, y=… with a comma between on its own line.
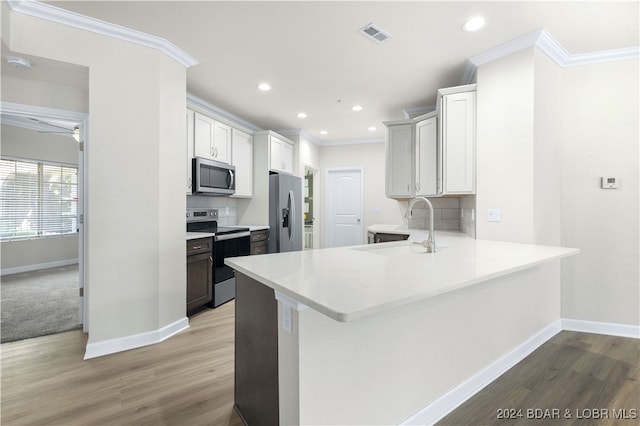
x=231, y=236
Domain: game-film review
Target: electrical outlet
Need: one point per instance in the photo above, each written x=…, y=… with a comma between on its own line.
x=493, y=215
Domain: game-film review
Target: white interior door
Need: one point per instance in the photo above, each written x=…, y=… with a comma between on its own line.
x=344, y=207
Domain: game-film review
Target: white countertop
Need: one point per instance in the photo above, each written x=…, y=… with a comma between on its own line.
x=347, y=283
x=196, y=235
x=251, y=227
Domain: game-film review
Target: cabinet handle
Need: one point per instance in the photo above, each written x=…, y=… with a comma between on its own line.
x=210, y=259
x=215, y=150
x=196, y=247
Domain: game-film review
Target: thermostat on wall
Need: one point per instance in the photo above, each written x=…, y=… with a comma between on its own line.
x=609, y=182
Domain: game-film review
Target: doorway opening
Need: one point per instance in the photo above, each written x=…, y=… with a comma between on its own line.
x=310, y=208
x=42, y=222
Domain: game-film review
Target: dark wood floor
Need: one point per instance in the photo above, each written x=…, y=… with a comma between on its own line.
x=573, y=379
x=188, y=380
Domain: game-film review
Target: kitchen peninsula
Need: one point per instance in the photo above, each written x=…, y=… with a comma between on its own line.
x=373, y=334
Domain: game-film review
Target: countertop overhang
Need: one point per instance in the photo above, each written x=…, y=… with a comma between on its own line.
x=348, y=283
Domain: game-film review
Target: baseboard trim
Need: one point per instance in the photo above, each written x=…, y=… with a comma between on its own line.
x=611, y=329
x=439, y=408
x=106, y=347
x=442, y=406
x=37, y=267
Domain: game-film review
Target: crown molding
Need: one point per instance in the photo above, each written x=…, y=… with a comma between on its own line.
x=352, y=141
x=304, y=133
x=204, y=106
x=66, y=17
x=551, y=47
x=300, y=132
x=409, y=113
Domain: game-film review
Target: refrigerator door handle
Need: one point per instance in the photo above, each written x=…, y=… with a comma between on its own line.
x=292, y=215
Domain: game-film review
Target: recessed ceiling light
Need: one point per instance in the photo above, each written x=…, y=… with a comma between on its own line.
x=302, y=115
x=323, y=132
x=473, y=24
x=357, y=107
x=372, y=129
x=265, y=87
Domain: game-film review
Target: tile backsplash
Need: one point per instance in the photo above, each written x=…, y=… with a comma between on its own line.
x=449, y=214
x=227, y=207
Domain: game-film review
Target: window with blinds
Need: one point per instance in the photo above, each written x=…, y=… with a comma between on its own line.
x=37, y=199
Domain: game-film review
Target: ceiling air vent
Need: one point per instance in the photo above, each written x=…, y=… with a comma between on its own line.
x=375, y=33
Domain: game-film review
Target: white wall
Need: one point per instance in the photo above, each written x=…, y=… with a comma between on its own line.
x=545, y=137
x=44, y=93
x=600, y=138
x=38, y=252
x=505, y=137
x=369, y=157
x=135, y=268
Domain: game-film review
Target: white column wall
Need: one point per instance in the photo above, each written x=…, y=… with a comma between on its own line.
x=135, y=261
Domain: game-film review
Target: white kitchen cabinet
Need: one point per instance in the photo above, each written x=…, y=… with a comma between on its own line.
x=399, y=159
x=434, y=154
x=458, y=141
x=212, y=139
x=426, y=157
x=189, y=144
x=242, y=159
x=222, y=142
x=280, y=155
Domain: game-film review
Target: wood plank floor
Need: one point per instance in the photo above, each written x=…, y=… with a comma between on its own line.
x=583, y=373
x=188, y=380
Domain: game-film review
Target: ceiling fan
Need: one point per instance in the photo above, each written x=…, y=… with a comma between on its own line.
x=75, y=131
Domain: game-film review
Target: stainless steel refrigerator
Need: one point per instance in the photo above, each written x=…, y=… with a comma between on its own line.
x=285, y=213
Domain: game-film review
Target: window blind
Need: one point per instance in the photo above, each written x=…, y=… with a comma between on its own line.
x=37, y=199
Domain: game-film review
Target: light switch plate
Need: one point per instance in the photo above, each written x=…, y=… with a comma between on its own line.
x=609, y=182
x=493, y=215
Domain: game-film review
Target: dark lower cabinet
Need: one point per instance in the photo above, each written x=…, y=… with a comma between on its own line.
x=199, y=274
x=256, y=353
x=260, y=241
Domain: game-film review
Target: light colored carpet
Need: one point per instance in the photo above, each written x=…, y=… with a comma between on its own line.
x=39, y=303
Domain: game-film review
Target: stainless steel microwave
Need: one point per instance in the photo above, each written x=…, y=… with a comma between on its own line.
x=213, y=177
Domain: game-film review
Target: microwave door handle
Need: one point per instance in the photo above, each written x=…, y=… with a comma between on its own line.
x=231, y=178
x=292, y=215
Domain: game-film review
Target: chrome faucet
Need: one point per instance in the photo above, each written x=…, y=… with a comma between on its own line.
x=430, y=243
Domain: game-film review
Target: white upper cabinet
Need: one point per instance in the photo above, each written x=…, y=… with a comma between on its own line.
x=242, y=159
x=212, y=139
x=434, y=154
x=426, y=157
x=189, y=143
x=222, y=142
x=459, y=142
x=399, y=159
x=280, y=155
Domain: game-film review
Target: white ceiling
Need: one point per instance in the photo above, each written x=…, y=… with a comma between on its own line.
x=316, y=61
